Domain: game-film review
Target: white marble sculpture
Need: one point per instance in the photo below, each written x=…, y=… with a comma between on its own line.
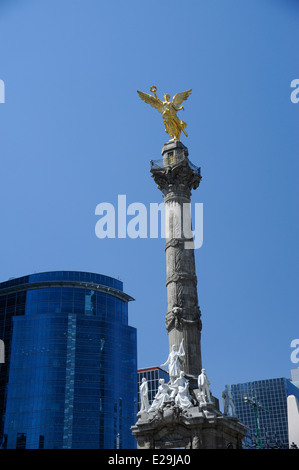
x=227, y=401
x=161, y=397
x=180, y=390
x=143, y=396
x=175, y=360
x=204, y=396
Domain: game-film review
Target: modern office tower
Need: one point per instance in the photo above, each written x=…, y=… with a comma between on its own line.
x=262, y=406
x=70, y=374
x=152, y=376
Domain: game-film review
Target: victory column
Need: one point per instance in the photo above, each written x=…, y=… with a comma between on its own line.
x=183, y=413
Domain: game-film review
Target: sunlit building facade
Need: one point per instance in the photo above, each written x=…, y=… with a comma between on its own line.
x=69, y=380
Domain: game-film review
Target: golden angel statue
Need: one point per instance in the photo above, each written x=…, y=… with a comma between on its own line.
x=173, y=125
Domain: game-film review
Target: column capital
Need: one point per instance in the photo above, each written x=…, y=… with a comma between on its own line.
x=174, y=174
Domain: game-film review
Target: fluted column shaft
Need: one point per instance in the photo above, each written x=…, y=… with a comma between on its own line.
x=175, y=180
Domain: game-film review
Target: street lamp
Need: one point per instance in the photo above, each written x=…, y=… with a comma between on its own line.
x=256, y=406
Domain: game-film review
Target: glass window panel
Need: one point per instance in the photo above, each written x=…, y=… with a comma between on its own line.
x=10, y=309
x=79, y=308
x=20, y=310
x=54, y=307
x=75, y=276
x=55, y=294
x=31, y=296
x=79, y=295
x=110, y=303
x=21, y=298
x=101, y=299
x=67, y=307
x=67, y=294
x=42, y=307
x=43, y=295
x=11, y=300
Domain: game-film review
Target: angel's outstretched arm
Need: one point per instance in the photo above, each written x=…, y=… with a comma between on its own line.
x=154, y=90
x=165, y=363
x=178, y=109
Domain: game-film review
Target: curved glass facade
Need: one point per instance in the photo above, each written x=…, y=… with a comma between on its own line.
x=70, y=374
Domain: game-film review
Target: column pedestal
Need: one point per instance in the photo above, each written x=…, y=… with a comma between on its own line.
x=195, y=428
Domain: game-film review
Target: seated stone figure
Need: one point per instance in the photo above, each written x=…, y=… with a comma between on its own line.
x=161, y=397
x=180, y=392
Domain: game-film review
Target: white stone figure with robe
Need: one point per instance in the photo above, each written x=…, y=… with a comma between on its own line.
x=175, y=360
x=228, y=401
x=161, y=397
x=143, y=389
x=180, y=391
x=204, y=396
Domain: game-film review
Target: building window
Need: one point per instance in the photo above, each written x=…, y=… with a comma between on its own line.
x=21, y=441
x=41, y=443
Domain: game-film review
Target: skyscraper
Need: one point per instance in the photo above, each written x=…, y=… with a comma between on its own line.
x=269, y=417
x=70, y=374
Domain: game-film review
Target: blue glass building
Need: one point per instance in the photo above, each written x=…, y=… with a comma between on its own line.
x=272, y=395
x=70, y=374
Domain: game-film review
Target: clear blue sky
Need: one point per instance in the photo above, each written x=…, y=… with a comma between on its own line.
x=74, y=133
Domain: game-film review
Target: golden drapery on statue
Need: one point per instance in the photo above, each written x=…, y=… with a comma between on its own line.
x=173, y=125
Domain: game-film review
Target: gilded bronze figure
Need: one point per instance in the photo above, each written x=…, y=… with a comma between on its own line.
x=173, y=125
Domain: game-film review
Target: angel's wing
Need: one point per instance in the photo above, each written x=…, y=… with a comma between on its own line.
x=180, y=97
x=156, y=103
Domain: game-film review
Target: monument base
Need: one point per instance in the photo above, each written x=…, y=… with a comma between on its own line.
x=198, y=427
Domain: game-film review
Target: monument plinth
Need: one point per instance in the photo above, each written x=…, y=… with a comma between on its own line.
x=196, y=428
